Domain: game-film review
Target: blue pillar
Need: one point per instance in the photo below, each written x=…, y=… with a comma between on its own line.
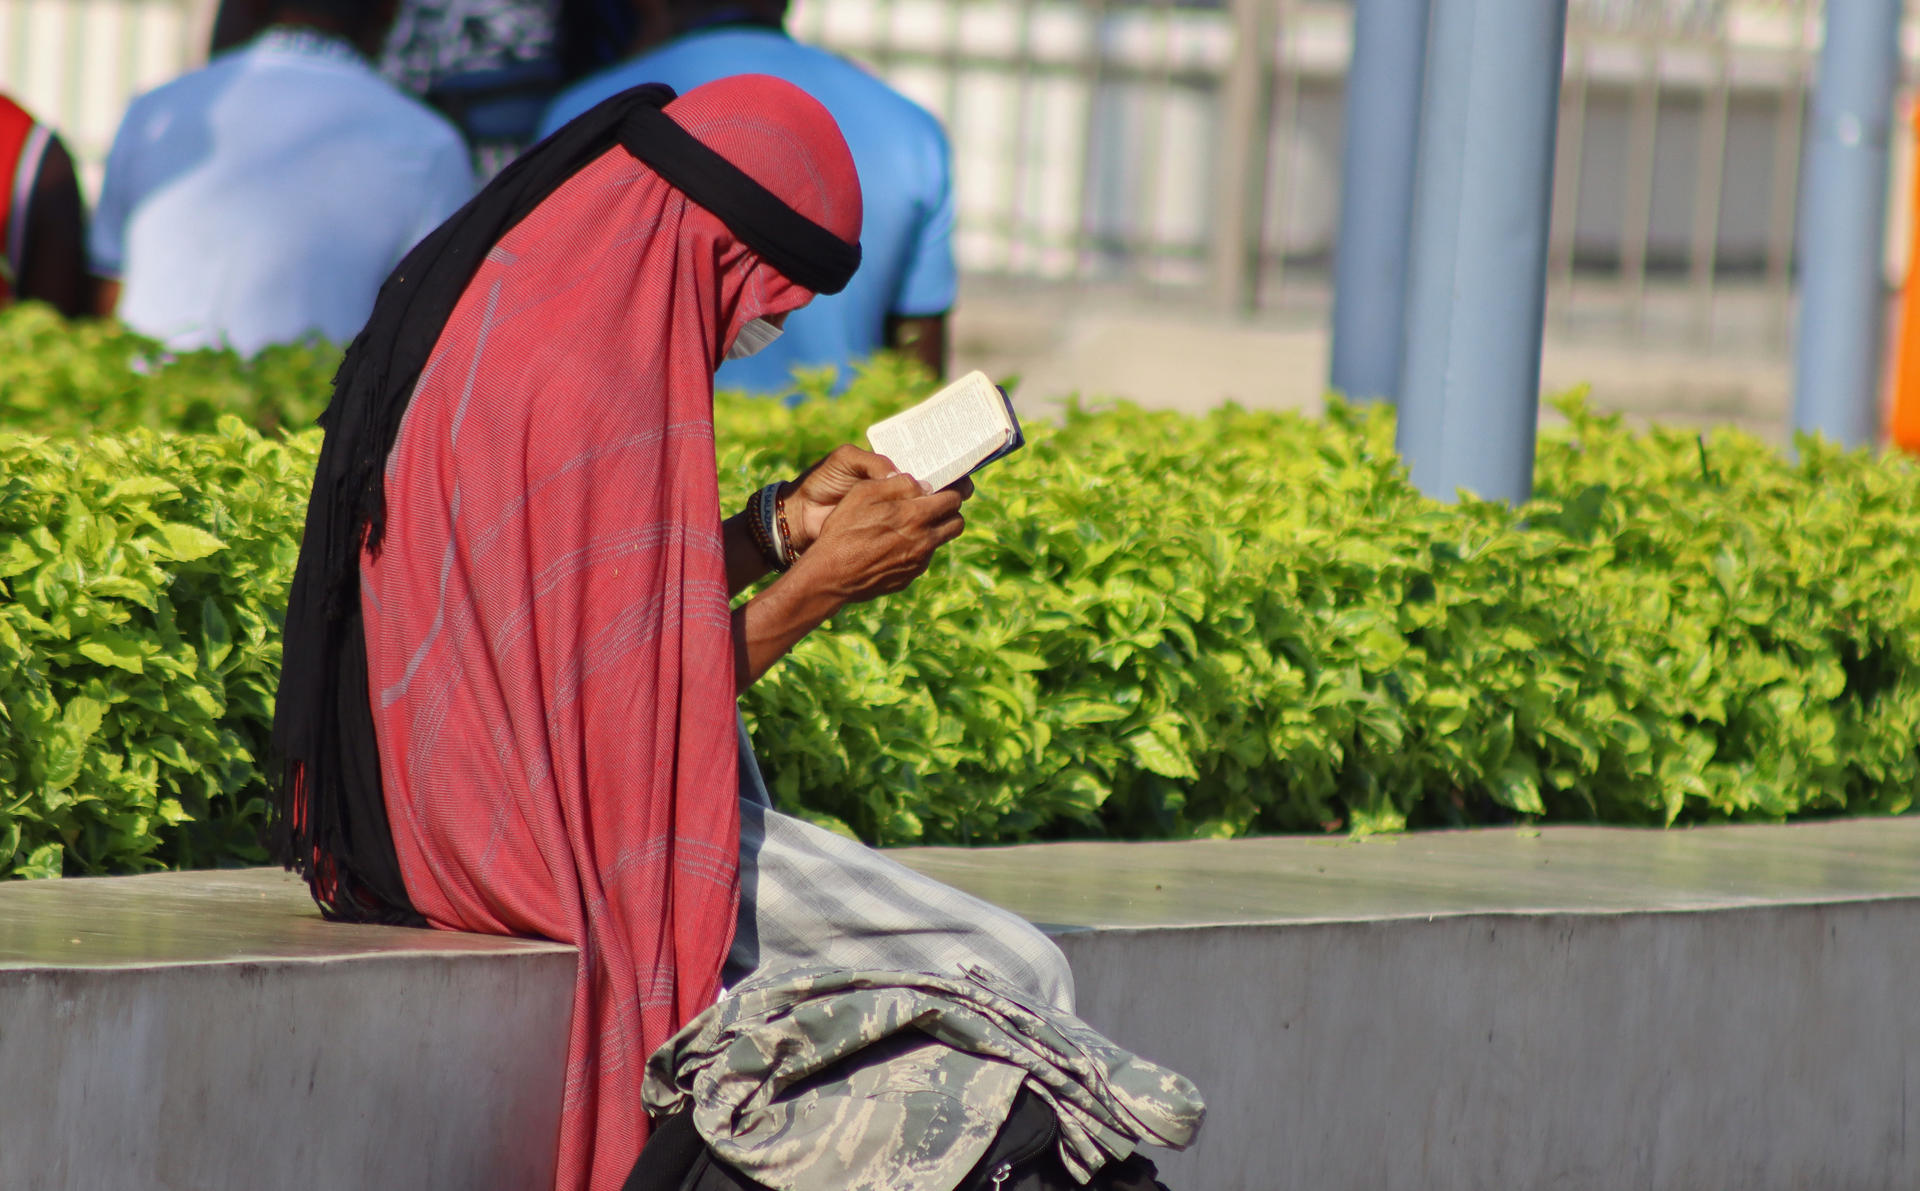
x=1477, y=282
x=1842, y=232
x=1376, y=196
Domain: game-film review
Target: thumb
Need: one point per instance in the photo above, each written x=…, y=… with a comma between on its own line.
x=897, y=486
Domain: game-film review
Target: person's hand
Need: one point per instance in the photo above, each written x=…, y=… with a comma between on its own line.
x=879, y=536
x=812, y=498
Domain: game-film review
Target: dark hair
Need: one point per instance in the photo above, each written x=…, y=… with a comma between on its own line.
x=763, y=10
x=355, y=18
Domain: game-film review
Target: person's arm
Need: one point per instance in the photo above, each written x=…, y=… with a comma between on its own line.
x=877, y=539
x=107, y=234
x=54, y=268
x=922, y=337
x=860, y=529
x=746, y=566
x=917, y=320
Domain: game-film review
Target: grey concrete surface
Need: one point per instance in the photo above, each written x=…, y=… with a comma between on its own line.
x=253, y=915
x=1295, y=880
x=1721, y=1050
x=1572, y=1008
x=206, y=1031
x=1582, y=1009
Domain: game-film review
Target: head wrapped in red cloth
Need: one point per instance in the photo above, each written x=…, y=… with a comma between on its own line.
x=548, y=651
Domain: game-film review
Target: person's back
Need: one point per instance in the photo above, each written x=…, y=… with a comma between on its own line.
x=265, y=197
x=906, y=282
x=42, y=222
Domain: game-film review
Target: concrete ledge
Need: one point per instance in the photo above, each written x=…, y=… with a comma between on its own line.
x=209, y=1031
x=1573, y=1008
x=1570, y=1008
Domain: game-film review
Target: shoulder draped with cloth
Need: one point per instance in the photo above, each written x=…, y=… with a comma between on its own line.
x=507, y=701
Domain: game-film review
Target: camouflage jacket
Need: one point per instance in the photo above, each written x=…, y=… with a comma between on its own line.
x=825, y=1079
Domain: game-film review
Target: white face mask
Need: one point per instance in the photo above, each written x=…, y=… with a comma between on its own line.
x=753, y=337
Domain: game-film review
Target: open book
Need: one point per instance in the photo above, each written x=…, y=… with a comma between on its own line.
x=953, y=433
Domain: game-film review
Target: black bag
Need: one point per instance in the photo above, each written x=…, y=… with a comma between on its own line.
x=1023, y=1157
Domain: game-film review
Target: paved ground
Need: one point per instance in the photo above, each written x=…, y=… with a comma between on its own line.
x=1171, y=353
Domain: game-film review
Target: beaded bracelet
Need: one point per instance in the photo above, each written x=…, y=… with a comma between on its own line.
x=780, y=519
x=766, y=522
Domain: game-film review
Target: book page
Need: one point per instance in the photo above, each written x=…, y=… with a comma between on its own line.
x=948, y=434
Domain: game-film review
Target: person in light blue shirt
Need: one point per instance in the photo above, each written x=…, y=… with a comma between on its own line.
x=264, y=198
x=906, y=283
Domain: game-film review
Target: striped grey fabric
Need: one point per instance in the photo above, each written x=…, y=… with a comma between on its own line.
x=945, y=1004
x=810, y=898
x=821, y=1079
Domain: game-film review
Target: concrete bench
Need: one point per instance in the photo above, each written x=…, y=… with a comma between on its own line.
x=210, y=1031
x=1570, y=1008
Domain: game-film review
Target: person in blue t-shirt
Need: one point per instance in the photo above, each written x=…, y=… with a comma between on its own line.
x=906, y=283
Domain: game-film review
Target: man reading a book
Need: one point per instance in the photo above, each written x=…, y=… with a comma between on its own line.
x=507, y=701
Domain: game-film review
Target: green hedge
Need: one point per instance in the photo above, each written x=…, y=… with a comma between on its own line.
x=141, y=578
x=1155, y=626
x=1168, y=626
x=58, y=377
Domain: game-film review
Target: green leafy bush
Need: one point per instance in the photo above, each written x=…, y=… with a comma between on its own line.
x=69, y=378
x=143, y=578
x=1167, y=626
x=1155, y=626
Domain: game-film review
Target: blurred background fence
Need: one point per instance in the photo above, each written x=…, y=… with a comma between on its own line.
x=1127, y=140
x=76, y=63
x=1191, y=148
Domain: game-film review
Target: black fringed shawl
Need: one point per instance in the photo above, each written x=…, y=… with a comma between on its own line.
x=329, y=820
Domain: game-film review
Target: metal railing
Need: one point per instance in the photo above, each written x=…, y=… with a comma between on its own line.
x=1194, y=146
x=1678, y=170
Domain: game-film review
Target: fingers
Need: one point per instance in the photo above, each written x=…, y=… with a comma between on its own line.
x=873, y=505
x=852, y=463
x=851, y=467
x=942, y=504
x=894, y=486
x=883, y=535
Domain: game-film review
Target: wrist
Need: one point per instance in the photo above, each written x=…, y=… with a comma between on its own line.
x=766, y=519
x=796, y=509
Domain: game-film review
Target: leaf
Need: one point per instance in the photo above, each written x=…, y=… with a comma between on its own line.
x=216, y=638
x=187, y=543
x=1084, y=712
x=20, y=557
x=43, y=862
x=1518, y=786
x=119, y=651
x=137, y=487
x=1158, y=749
x=67, y=743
